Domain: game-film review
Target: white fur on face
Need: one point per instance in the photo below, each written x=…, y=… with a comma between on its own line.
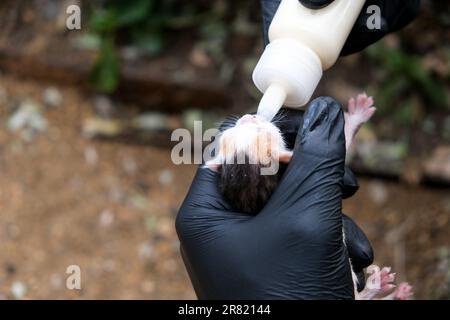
x=254, y=137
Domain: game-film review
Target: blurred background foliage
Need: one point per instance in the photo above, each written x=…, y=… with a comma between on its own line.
x=144, y=25
x=403, y=71
x=407, y=81
x=85, y=163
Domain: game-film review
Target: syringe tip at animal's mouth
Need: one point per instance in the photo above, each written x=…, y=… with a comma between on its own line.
x=271, y=102
x=248, y=119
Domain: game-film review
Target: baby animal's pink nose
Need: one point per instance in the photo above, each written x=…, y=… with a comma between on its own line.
x=248, y=118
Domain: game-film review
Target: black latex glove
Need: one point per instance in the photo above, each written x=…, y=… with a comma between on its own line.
x=359, y=248
x=395, y=15
x=293, y=249
x=291, y=121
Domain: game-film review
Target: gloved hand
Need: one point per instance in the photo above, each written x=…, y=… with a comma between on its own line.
x=293, y=249
x=395, y=14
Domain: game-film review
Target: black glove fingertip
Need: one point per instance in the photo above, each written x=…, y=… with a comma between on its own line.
x=358, y=246
x=361, y=280
x=322, y=132
x=350, y=184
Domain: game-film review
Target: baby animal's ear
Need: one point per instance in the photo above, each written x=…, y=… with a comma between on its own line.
x=214, y=164
x=285, y=156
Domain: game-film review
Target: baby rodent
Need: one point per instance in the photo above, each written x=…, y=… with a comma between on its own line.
x=246, y=146
x=251, y=143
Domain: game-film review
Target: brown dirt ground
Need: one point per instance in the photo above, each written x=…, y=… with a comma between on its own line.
x=52, y=199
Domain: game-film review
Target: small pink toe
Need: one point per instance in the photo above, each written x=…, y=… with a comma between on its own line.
x=403, y=292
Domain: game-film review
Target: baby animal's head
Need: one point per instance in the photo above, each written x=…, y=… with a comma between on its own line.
x=251, y=140
x=244, y=150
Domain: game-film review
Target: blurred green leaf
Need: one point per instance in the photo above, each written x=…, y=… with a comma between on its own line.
x=405, y=76
x=388, y=91
x=131, y=12
x=431, y=88
x=406, y=113
x=105, y=74
x=103, y=21
x=142, y=25
x=88, y=41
